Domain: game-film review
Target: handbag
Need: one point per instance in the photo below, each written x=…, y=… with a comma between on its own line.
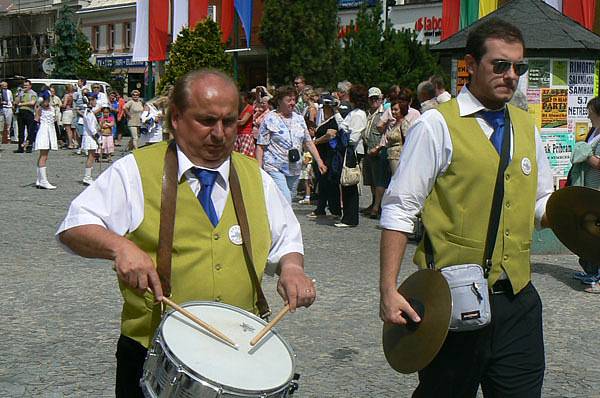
x=350, y=175
x=468, y=282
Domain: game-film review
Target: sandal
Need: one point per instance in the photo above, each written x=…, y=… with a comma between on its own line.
x=594, y=289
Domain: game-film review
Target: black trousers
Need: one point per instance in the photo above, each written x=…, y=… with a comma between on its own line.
x=506, y=357
x=329, y=195
x=350, y=201
x=130, y=365
x=26, y=119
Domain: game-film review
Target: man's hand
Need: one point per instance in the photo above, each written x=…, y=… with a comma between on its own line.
x=136, y=269
x=296, y=289
x=391, y=307
x=322, y=167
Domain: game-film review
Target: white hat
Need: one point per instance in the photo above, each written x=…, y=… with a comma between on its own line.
x=375, y=92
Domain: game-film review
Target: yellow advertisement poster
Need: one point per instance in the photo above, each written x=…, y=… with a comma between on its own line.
x=462, y=76
x=581, y=130
x=554, y=107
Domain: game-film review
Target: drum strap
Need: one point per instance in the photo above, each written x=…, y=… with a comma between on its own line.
x=240, y=212
x=168, y=201
x=167, y=223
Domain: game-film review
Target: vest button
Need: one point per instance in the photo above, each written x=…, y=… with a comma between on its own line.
x=505, y=258
x=216, y=236
x=507, y=177
x=218, y=299
x=507, y=205
x=507, y=233
x=218, y=267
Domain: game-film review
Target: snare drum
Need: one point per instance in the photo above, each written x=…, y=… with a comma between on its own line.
x=187, y=361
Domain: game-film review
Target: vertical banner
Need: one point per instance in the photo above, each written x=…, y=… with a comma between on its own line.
x=158, y=29
x=140, y=43
x=450, y=18
x=469, y=12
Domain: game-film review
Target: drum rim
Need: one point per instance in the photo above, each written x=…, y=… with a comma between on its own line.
x=206, y=380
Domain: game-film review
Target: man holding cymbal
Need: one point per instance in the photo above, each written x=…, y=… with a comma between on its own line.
x=120, y=218
x=448, y=172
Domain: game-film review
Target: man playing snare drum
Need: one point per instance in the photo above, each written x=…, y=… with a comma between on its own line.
x=448, y=172
x=117, y=218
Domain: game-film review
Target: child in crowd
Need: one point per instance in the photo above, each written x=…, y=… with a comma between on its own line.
x=89, y=139
x=306, y=178
x=45, y=139
x=107, y=122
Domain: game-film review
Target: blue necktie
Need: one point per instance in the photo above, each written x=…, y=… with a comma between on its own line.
x=207, y=180
x=496, y=120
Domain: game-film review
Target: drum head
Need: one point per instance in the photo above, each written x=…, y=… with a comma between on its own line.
x=266, y=367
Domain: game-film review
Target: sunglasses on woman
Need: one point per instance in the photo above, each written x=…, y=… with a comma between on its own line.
x=501, y=66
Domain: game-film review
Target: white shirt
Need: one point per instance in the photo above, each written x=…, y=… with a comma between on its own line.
x=443, y=97
x=354, y=123
x=427, y=155
x=116, y=201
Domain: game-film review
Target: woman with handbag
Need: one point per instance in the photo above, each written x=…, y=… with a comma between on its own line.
x=352, y=127
x=281, y=139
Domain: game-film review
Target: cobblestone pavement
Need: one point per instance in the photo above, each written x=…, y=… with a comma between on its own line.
x=60, y=313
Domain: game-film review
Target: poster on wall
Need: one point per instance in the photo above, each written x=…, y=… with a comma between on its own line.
x=539, y=73
x=559, y=72
x=558, y=146
x=582, y=80
x=554, y=108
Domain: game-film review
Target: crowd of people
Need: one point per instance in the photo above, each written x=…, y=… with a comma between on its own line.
x=85, y=120
x=304, y=137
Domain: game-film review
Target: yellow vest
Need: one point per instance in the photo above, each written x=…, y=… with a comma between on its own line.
x=206, y=263
x=456, y=212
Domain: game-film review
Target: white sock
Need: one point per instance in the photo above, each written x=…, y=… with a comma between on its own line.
x=88, y=172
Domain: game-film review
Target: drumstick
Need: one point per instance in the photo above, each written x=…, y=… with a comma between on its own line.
x=270, y=325
x=198, y=321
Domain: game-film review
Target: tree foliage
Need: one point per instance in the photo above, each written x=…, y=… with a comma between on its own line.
x=72, y=51
x=301, y=38
x=375, y=55
x=196, y=49
x=380, y=56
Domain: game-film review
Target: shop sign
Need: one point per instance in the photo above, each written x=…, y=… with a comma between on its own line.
x=433, y=24
x=355, y=3
x=119, y=62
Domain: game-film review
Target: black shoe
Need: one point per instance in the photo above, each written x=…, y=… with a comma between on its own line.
x=29, y=149
x=20, y=150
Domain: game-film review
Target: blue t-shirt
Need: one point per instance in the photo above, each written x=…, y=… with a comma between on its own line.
x=278, y=135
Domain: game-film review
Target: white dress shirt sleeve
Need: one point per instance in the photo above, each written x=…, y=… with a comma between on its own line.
x=426, y=154
x=115, y=200
x=545, y=182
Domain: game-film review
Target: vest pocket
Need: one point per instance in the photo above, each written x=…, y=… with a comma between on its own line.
x=462, y=241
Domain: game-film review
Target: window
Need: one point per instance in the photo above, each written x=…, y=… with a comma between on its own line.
x=95, y=37
x=110, y=40
x=127, y=35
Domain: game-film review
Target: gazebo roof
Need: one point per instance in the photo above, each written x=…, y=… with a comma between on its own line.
x=543, y=27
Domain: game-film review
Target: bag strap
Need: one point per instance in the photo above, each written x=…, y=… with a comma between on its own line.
x=168, y=201
x=494, y=221
x=240, y=211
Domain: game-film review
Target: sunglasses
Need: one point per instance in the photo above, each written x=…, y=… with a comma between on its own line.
x=502, y=66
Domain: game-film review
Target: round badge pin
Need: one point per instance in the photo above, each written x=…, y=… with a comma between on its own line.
x=235, y=235
x=526, y=166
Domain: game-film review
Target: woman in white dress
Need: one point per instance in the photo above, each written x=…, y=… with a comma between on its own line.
x=45, y=140
x=89, y=139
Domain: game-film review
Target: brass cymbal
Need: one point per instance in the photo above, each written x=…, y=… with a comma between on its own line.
x=574, y=216
x=412, y=347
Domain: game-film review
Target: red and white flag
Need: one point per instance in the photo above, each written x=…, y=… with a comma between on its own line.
x=151, y=30
x=187, y=13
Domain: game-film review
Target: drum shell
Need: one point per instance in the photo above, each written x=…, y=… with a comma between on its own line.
x=165, y=376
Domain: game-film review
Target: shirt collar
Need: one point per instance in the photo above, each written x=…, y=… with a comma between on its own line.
x=468, y=104
x=185, y=165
